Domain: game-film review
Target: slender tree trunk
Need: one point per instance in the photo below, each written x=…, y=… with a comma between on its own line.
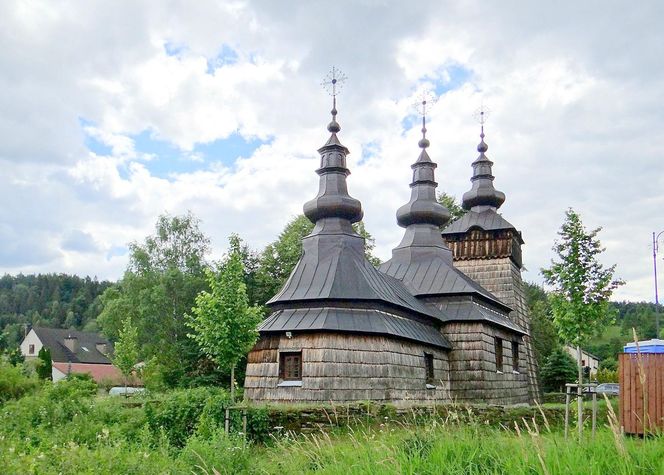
x=233, y=384
x=579, y=391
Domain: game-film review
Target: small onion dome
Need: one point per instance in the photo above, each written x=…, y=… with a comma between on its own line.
x=482, y=192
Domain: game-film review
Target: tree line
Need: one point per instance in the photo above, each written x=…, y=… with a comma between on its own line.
x=170, y=275
x=50, y=300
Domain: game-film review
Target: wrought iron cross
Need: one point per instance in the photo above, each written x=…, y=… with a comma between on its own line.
x=481, y=115
x=425, y=100
x=334, y=81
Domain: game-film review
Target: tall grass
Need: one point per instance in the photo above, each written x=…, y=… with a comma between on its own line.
x=65, y=429
x=466, y=450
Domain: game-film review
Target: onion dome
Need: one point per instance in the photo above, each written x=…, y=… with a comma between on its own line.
x=423, y=208
x=333, y=200
x=482, y=195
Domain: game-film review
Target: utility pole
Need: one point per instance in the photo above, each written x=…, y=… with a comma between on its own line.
x=655, y=238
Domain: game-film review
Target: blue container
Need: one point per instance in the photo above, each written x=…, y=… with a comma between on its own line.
x=647, y=346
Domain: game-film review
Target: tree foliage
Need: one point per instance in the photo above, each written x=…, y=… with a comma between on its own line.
x=543, y=333
x=559, y=368
x=450, y=202
x=581, y=284
x=164, y=275
x=177, y=244
x=45, y=363
x=126, y=352
x=49, y=300
x=224, y=324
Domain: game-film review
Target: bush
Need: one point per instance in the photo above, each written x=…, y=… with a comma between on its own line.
x=177, y=415
x=607, y=376
x=13, y=383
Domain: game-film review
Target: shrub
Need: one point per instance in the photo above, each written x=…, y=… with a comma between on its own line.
x=178, y=414
x=13, y=383
x=605, y=375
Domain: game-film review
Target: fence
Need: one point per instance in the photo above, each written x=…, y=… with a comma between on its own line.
x=632, y=397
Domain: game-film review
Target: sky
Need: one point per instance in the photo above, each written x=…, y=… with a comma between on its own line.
x=112, y=113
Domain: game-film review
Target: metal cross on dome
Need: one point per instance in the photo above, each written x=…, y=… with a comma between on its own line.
x=481, y=114
x=334, y=81
x=425, y=99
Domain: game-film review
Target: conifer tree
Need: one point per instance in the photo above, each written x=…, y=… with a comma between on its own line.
x=45, y=364
x=558, y=369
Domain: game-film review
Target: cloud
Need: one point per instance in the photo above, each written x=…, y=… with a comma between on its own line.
x=79, y=241
x=112, y=113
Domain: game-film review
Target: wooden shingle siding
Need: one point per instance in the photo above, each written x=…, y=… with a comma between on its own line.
x=473, y=376
x=502, y=277
x=341, y=367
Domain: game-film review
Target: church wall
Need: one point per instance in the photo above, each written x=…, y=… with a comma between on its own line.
x=474, y=376
x=344, y=367
x=502, y=277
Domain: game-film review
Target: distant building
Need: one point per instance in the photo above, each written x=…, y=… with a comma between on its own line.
x=587, y=360
x=73, y=351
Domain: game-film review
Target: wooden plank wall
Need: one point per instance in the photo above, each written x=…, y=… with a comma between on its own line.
x=631, y=392
x=346, y=367
x=473, y=373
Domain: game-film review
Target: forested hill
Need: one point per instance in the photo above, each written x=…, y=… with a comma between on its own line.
x=51, y=300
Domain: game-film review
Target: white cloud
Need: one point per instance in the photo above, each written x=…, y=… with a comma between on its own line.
x=574, y=91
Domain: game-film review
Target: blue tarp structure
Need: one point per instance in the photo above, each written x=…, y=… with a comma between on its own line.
x=648, y=346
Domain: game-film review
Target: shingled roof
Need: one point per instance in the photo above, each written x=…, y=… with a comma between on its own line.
x=487, y=220
x=423, y=262
x=482, y=200
x=334, y=287
x=54, y=340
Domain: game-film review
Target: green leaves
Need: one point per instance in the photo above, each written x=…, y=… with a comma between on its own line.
x=125, y=356
x=450, y=202
x=223, y=323
x=582, y=286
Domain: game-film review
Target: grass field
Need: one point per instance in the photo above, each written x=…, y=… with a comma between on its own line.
x=66, y=429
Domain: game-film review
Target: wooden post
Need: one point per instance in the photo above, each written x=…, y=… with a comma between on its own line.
x=567, y=401
x=579, y=392
x=227, y=419
x=233, y=384
x=594, y=412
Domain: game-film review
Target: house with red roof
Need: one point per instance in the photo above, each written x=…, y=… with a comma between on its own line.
x=72, y=352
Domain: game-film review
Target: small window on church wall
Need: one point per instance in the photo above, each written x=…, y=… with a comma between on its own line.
x=31, y=349
x=428, y=366
x=290, y=366
x=498, y=342
x=515, y=356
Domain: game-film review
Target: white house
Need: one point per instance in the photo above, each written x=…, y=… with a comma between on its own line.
x=72, y=351
x=587, y=359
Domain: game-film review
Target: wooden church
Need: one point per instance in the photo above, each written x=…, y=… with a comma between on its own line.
x=443, y=320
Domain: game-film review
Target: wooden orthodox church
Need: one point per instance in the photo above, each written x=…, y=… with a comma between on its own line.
x=443, y=320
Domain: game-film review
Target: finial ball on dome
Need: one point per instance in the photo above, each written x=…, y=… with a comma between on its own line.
x=333, y=126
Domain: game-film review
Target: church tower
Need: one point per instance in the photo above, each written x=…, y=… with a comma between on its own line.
x=486, y=363
x=487, y=248
x=340, y=330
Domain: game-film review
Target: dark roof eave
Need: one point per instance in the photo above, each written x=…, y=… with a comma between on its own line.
x=446, y=346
